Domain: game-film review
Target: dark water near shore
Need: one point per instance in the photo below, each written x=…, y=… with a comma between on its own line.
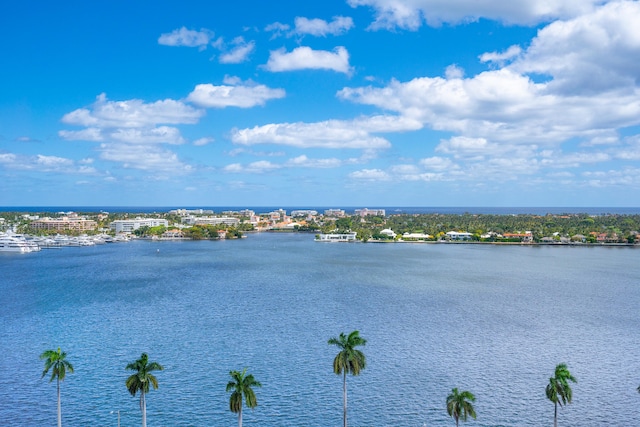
x=494, y=320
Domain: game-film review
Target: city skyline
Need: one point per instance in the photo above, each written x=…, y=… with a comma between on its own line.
x=339, y=103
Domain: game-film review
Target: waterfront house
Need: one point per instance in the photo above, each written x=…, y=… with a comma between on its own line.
x=389, y=233
x=525, y=237
x=415, y=236
x=172, y=234
x=456, y=235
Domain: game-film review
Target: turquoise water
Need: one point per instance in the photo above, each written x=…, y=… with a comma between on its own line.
x=493, y=320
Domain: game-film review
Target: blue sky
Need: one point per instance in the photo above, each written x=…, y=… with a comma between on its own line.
x=335, y=103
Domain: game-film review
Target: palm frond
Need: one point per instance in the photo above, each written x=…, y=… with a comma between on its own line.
x=241, y=385
x=460, y=405
x=349, y=359
x=55, y=362
x=142, y=379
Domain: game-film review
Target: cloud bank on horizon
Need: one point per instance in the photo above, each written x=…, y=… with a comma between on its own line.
x=359, y=102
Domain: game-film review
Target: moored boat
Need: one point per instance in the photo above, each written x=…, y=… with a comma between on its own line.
x=14, y=244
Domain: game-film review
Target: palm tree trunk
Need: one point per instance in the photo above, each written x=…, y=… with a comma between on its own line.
x=344, y=398
x=143, y=408
x=59, y=408
x=555, y=414
x=240, y=417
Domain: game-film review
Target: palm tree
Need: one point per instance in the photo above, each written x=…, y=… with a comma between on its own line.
x=55, y=361
x=349, y=359
x=558, y=390
x=241, y=386
x=140, y=381
x=460, y=406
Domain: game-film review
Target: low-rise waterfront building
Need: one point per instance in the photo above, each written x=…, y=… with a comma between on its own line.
x=415, y=236
x=526, y=237
x=174, y=233
x=128, y=225
x=336, y=237
x=63, y=224
x=211, y=220
x=457, y=235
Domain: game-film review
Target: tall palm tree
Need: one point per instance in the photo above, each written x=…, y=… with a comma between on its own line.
x=240, y=386
x=460, y=405
x=140, y=381
x=348, y=360
x=55, y=361
x=558, y=390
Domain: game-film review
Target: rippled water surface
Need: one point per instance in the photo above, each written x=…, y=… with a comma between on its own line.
x=493, y=320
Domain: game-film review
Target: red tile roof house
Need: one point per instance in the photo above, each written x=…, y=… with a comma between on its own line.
x=172, y=234
x=524, y=237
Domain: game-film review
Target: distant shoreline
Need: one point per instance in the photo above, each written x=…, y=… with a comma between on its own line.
x=390, y=210
x=469, y=242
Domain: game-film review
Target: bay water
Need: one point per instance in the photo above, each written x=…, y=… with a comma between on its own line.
x=494, y=320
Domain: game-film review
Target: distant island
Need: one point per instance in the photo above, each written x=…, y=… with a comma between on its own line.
x=359, y=225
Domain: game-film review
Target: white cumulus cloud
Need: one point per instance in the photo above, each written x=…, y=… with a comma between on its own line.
x=437, y=163
x=132, y=113
x=588, y=55
x=333, y=134
x=501, y=57
x=157, y=135
x=243, y=96
x=45, y=164
x=411, y=14
x=239, y=52
x=203, y=141
x=306, y=162
x=304, y=57
x=261, y=166
x=142, y=157
x=370, y=175
x=453, y=72
x=53, y=161
x=88, y=134
x=322, y=28
x=186, y=37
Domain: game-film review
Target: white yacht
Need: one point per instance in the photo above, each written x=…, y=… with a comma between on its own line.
x=13, y=244
x=83, y=240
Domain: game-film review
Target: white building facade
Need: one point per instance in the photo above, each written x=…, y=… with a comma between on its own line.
x=337, y=237
x=128, y=225
x=211, y=220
